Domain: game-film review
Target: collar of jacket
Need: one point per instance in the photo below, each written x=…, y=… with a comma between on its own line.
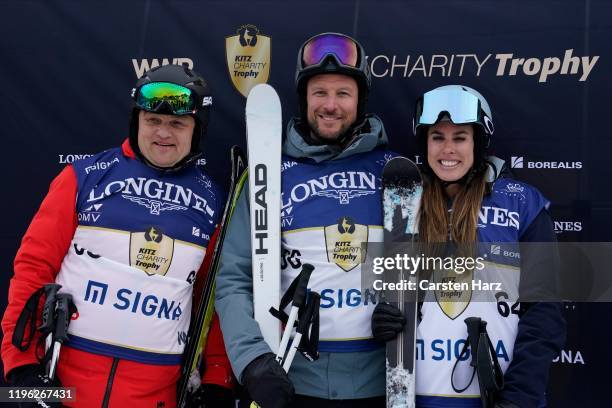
x=295, y=146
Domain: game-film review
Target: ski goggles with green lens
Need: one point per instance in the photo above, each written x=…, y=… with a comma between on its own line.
x=343, y=48
x=462, y=108
x=179, y=99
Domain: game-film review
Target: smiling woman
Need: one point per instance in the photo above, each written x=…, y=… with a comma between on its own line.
x=450, y=152
x=462, y=189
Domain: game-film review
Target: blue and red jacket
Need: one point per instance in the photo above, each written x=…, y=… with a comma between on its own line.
x=149, y=232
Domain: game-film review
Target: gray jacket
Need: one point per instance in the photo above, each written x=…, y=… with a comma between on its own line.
x=334, y=375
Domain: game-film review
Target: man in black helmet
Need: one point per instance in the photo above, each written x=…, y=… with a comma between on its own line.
x=334, y=154
x=178, y=92
x=124, y=232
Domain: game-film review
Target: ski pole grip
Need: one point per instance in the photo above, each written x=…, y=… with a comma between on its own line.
x=473, y=328
x=300, y=292
x=48, y=312
x=306, y=320
x=64, y=300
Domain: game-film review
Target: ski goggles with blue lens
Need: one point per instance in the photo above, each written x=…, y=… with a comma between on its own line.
x=179, y=99
x=462, y=108
x=343, y=48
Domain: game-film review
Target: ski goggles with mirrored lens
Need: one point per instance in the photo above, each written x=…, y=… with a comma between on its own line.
x=179, y=99
x=462, y=108
x=343, y=48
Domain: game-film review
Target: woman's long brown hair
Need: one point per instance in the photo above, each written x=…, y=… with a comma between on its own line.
x=436, y=223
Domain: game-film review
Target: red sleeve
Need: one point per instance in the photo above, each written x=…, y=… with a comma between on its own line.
x=39, y=258
x=218, y=370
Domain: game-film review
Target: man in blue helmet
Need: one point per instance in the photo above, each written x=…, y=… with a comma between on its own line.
x=334, y=154
x=116, y=232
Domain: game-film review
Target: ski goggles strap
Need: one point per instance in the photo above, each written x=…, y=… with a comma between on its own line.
x=461, y=107
x=342, y=48
x=165, y=97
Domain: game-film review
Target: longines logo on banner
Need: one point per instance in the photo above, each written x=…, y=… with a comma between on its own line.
x=70, y=158
x=519, y=162
x=472, y=64
x=146, y=65
x=248, y=58
x=567, y=226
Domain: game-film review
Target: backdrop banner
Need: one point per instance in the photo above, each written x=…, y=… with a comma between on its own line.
x=68, y=69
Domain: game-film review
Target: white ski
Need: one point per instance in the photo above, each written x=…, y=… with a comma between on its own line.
x=402, y=190
x=264, y=136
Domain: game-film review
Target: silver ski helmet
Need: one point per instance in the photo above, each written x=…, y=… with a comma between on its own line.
x=172, y=90
x=332, y=53
x=460, y=105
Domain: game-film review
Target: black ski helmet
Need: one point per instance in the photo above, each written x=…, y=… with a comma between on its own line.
x=460, y=105
x=199, y=106
x=329, y=61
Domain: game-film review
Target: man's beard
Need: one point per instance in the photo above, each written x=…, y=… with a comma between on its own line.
x=329, y=139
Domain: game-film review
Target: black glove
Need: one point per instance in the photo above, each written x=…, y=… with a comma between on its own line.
x=267, y=382
x=33, y=375
x=505, y=404
x=213, y=396
x=387, y=322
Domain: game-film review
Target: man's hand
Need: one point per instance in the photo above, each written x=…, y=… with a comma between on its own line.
x=213, y=396
x=267, y=382
x=387, y=322
x=33, y=375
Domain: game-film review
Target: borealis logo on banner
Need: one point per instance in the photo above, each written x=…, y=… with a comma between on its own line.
x=469, y=64
x=248, y=58
x=519, y=162
x=144, y=65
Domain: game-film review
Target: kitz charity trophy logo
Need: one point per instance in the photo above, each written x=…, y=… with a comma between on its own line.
x=248, y=58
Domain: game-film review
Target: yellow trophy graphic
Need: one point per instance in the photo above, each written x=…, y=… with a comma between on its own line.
x=151, y=251
x=248, y=58
x=343, y=241
x=453, y=302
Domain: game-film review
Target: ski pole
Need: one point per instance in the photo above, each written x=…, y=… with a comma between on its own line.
x=303, y=327
x=63, y=312
x=486, y=367
x=48, y=314
x=298, y=301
